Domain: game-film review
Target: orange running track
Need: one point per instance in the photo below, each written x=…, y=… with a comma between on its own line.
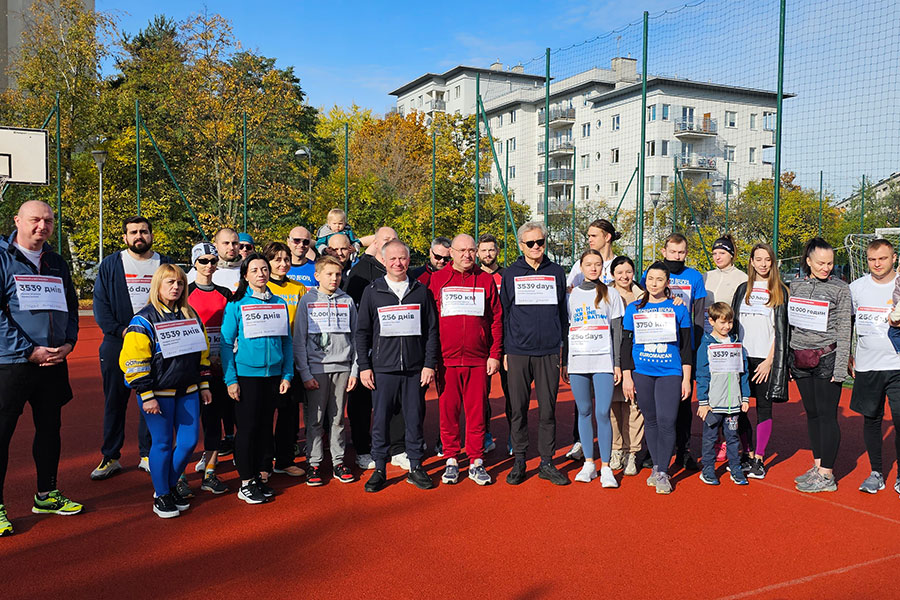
x=765, y=540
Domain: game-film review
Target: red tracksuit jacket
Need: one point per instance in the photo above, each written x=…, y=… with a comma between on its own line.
x=466, y=340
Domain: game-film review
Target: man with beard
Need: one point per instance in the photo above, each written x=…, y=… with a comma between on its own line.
x=339, y=246
x=228, y=270
x=122, y=288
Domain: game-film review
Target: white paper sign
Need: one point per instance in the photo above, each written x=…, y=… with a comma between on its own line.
x=138, y=290
x=759, y=297
x=400, y=320
x=40, y=292
x=808, y=314
x=536, y=289
x=214, y=335
x=466, y=301
x=655, y=328
x=683, y=292
x=324, y=317
x=176, y=338
x=725, y=358
x=264, y=320
x=872, y=320
x=589, y=339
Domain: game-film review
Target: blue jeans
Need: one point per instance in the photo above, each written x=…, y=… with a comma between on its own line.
x=729, y=425
x=600, y=403
x=178, y=421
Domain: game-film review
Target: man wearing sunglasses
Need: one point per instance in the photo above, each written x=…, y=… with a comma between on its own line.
x=438, y=258
x=228, y=268
x=303, y=270
x=245, y=245
x=533, y=297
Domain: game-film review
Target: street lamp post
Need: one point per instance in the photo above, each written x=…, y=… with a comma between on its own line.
x=100, y=159
x=305, y=151
x=654, y=198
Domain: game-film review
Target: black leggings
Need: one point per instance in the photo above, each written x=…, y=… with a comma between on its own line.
x=872, y=437
x=760, y=391
x=659, y=399
x=820, y=401
x=253, y=418
x=211, y=414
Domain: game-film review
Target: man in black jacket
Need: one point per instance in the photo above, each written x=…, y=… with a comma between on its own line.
x=533, y=295
x=122, y=288
x=438, y=258
x=397, y=348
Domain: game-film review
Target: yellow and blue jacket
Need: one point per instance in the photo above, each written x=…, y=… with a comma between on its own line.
x=147, y=371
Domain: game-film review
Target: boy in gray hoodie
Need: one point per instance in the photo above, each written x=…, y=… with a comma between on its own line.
x=325, y=358
x=723, y=392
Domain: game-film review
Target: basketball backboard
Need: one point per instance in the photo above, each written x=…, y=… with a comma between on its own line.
x=23, y=156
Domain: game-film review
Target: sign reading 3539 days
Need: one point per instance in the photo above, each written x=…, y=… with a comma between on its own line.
x=40, y=292
x=180, y=337
x=536, y=289
x=264, y=320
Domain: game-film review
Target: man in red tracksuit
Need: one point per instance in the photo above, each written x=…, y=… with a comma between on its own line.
x=471, y=329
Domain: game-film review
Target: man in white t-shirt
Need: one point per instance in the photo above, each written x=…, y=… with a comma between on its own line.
x=601, y=234
x=228, y=271
x=122, y=288
x=875, y=365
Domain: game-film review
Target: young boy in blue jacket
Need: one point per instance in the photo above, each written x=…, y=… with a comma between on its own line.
x=723, y=392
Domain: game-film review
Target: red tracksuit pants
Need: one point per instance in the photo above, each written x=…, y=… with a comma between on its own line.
x=466, y=386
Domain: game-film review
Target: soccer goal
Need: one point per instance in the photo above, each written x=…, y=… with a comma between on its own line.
x=856, y=244
x=23, y=156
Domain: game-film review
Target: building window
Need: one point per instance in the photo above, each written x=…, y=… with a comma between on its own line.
x=456, y=92
x=540, y=203
x=613, y=188
x=420, y=101
x=585, y=192
x=512, y=117
x=511, y=144
x=752, y=156
x=400, y=110
x=665, y=112
x=687, y=115
x=650, y=183
x=585, y=161
x=753, y=121
x=664, y=148
x=729, y=153
x=499, y=121
x=511, y=173
x=586, y=130
x=664, y=184
x=651, y=112
x=614, y=156
x=651, y=148
x=769, y=121
x=615, y=122
x=730, y=118
x=499, y=147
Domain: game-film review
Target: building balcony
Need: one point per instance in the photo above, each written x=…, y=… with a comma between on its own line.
x=697, y=162
x=558, y=147
x=559, y=117
x=557, y=176
x=687, y=128
x=436, y=105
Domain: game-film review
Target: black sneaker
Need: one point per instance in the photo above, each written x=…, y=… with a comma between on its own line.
x=251, y=494
x=314, y=476
x=164, y=507
x=419, y=478
x=184, y=488
x=343, y=474
x=377, y=481
x=552, y=474
x=648, y=462
x=181, y=503
x=686, y=461
x=757, y=469
x=212, y=484
x=266, y=490
x=226, y=446
x=517, y=475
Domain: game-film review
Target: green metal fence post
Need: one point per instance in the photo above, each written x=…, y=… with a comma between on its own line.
x=244, y=181
x=780, y=98
x=478, y=149
x=59, y=225
x=820, y=203
x=643, y=172
x=503, y=180
x=433, y=163
x=694, y=221
x=137, y=153
x=675, y=194
x=505, y=212
x=547, y=140
x=727, y=192
x=574, y=169
x=346, y=169
x=625, y=193
x=862, y=206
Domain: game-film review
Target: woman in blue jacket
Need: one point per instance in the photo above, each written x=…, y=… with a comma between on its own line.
x=258, y=361
x=656, y=348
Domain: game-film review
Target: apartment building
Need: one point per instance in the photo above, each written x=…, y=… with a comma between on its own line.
x=711, y=131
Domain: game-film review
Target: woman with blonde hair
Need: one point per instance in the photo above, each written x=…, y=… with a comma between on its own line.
x=165, y=358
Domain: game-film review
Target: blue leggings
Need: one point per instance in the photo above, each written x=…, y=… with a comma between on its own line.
x=603, y=390
x=179, y=419
x=659, y=398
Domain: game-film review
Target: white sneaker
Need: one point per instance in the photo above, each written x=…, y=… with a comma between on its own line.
x=201, y=464
x=575, y=453
x=631, y=467
x=607, y=479
x=400, y=460
x=365, y=461
x=616, y=460
x=144, y=465
x=587, y=473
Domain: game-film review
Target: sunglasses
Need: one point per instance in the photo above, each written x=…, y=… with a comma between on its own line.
x=208, y=261
x=531, y=243
x=441, y=258
x=245, y=246
x=300, y=241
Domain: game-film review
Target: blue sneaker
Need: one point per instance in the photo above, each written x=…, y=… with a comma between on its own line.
x=709, y=478
x=740, y=479
x=489, y=443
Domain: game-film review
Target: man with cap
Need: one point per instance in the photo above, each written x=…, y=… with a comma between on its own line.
x=303, y=270
x=208, y=300
x=245, y=244
x=122, y=289
x=38, y=329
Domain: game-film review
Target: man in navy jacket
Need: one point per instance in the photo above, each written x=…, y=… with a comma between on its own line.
x=122, y=288
x=397, y=348
x=38, y=329
x=533, y=295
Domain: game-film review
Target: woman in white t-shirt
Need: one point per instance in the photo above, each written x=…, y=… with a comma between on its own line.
x=760, y=318
x=591, y=357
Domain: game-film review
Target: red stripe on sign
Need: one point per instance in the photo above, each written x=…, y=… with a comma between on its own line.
x=875, y=309
x=174, y=324
x=536, y=278
x=37, y=278
x=810, y=302
x=724, y=346
x=402, y=307
x=262, y=307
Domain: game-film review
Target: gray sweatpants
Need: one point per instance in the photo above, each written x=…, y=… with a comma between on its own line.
x=325, y=408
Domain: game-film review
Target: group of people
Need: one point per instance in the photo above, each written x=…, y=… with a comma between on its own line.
x=237, y=345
